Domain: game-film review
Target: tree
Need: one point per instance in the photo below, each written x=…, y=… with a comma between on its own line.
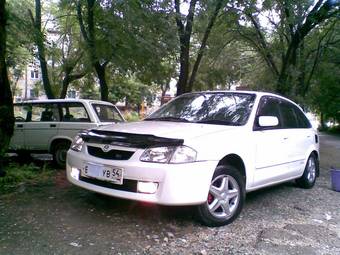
x=324, y=94
x=19, y=43
x=39, y=41
x=6, y=101
x=89, y=35
x=185, y=28
x=281, y=43
x=68, y=62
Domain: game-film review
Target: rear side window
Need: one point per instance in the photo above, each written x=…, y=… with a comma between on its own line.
x=292, y=116
x=44, y=112
x=289, y=118
x=74, y=112
x=303, y=122
x=107, y=113
x=269, y=106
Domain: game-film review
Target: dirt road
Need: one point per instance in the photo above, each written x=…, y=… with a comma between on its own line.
x=62, y=219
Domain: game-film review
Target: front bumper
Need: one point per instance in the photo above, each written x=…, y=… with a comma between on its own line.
x=178, y=184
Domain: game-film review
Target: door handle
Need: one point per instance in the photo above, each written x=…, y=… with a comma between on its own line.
x=20, y=125
x=53, y=125
x=285, y=138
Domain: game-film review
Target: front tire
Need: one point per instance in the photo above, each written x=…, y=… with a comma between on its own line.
x=59, y=153
x=225, y=199
x=307, y=180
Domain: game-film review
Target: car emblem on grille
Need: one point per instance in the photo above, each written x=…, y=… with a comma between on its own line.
x=106, y=148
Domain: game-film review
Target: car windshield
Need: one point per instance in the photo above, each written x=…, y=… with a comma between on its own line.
x=107, y=113
x=211, y=108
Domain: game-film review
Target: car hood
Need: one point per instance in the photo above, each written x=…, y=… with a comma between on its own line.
x=167, y=129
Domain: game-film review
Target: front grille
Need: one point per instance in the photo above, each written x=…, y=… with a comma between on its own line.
x=128, y=185
x=112, y=154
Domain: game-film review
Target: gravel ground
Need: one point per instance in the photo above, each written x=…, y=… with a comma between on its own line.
x=63, y=219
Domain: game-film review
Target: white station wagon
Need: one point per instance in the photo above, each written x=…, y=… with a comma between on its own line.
x=51, y=125
x=205, y=149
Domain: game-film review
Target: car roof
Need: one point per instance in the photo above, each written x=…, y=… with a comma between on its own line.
x=65, y=100
x=258, y=93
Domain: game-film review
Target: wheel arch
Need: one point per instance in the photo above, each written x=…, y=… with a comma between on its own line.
x=235, y=161
x=57, y=140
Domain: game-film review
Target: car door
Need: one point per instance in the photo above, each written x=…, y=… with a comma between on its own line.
x=18, y=139
x=299, y=138
x=271, y=145
x=42, y=126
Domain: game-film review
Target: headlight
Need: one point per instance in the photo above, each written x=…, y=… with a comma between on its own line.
x=77, y=143
x=181, y=154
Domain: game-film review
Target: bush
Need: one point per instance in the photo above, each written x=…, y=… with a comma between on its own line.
x=334, y=130
x=131, y=116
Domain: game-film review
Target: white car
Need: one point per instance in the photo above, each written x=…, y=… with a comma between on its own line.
x=205, y=149
x=51, y=125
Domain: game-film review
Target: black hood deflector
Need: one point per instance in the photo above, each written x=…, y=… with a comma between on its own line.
x=128, y=140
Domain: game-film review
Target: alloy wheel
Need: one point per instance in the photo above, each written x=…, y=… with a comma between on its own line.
x=224, y=196
x=311, y=169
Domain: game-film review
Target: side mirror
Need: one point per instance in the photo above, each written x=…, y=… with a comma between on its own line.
x=268, y=121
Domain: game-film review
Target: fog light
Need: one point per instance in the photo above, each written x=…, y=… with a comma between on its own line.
x=75, y=173
x=147, y=187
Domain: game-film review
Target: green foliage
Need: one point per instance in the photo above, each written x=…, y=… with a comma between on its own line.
x=131, y=116
x=325, y=94
x=334, y=130
x=137, y=42
x=19, y=40
x=24, y=175
x=132, y=90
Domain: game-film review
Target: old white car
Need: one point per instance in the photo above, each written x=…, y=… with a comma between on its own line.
x=51, y=125
x=205, y=149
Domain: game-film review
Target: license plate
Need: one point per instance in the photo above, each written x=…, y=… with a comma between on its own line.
x=106, y=173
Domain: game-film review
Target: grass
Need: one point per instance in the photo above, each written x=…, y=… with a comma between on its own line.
x=18, y=175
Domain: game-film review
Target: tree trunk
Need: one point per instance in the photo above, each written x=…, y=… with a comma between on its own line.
x=184, y=71
x=65, y=83
x=6, y=101
x=204, y=44
x=104, y=90
x=283, y=87
x=68, y=78
x=89, y=37
x=184, y=34
x=39, y=41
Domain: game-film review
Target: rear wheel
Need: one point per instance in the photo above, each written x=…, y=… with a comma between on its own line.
x=59, y=153
x=225, y=199
x=307, y=180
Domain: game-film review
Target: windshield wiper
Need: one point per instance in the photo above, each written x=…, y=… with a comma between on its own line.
x=219, y=122
x=175, y=119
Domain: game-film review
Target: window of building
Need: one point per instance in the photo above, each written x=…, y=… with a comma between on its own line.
x=34, y=74
x=71, y=94
x=32, y=93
